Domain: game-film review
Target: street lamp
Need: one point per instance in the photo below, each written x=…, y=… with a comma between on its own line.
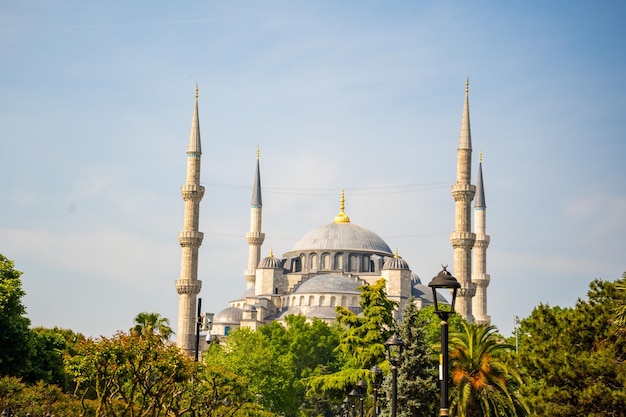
x=394, y=347
x=377, y=380
x=444, y=280
x=353, y=395
x=346, y=407
x=361, y=389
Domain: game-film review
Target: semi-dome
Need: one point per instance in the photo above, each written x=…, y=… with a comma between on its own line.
x=328, y=283
x=323, y=312
x=229, y=315
x=341, y=237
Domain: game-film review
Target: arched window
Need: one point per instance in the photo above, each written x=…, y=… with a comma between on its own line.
x=313, y=264
x=366, y=264
x=301, y=303
x=322, y=299
x=354, y=263
x=325, y=261
x=311, y=300
x=339, y=261
x=333, y=301
x=296, y=265
x=226, y=330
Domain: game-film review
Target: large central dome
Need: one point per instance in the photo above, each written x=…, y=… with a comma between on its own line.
x=342, y=237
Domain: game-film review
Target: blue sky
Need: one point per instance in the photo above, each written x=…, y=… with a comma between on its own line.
x=96, y=104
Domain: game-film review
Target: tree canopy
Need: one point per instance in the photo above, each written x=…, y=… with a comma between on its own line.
x=576, y=356
x=15, y=347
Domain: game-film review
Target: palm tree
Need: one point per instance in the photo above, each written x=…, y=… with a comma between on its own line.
x=147, y=324
x=484, y=383
x=619, y=314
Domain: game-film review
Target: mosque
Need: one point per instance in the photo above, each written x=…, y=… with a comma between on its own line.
x=326, y=266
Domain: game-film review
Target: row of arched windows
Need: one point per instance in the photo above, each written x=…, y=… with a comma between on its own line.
x=320, y=301
x=352, y=262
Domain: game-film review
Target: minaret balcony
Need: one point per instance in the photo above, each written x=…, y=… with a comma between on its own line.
x=192, y=192
x=190, y=238
x=255, y=238
x=188, y=286
x=463, y=192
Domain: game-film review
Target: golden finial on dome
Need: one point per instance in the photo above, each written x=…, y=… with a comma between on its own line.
x=395, y=255
x=342, y=217
x=271, y=253
x=258, y=152
x=480, y=157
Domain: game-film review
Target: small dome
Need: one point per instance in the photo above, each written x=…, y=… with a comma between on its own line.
x=328, y=283
x=230, y=315
x=395, y=263
x=271, y=263
x=415, y=279
x=341, y=237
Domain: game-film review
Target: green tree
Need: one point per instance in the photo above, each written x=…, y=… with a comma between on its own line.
x=132, y=375
x=431, y=323
x=418, y=391
x=267, y=374
x=15, y=347
x=151, y=324
x=619, y=315
x=576, y=357
x=307, y=348
x=485, y=383
x=361, y=346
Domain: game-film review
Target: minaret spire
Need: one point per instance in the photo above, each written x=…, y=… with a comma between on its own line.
x=462, y=238
x=480, y=278
x=190, y=238
x=255, y=237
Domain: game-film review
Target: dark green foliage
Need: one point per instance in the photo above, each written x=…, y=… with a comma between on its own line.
x=418, y=388
x=576, y=356
x=361, y=344
x=15, y=347
x=308, y=348
x=432, y=326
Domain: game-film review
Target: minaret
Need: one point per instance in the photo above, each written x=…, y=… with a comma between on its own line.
x=462, y=238
x=255, y=237
x=479, y=275
x=188, y=286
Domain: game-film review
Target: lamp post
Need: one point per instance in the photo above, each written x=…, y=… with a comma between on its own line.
x=377, y=380
x=353, y=395
x=444, y=280
x=345, y=406
x=361, y=389
x=394, y=347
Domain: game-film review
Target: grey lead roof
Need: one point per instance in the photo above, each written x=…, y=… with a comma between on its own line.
x=328, y=283
x=271, y=263
x=395, y=263
x=480, y=191
x=194, y=146
x=256, y=187
x=341, y=236
x=229, y=315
